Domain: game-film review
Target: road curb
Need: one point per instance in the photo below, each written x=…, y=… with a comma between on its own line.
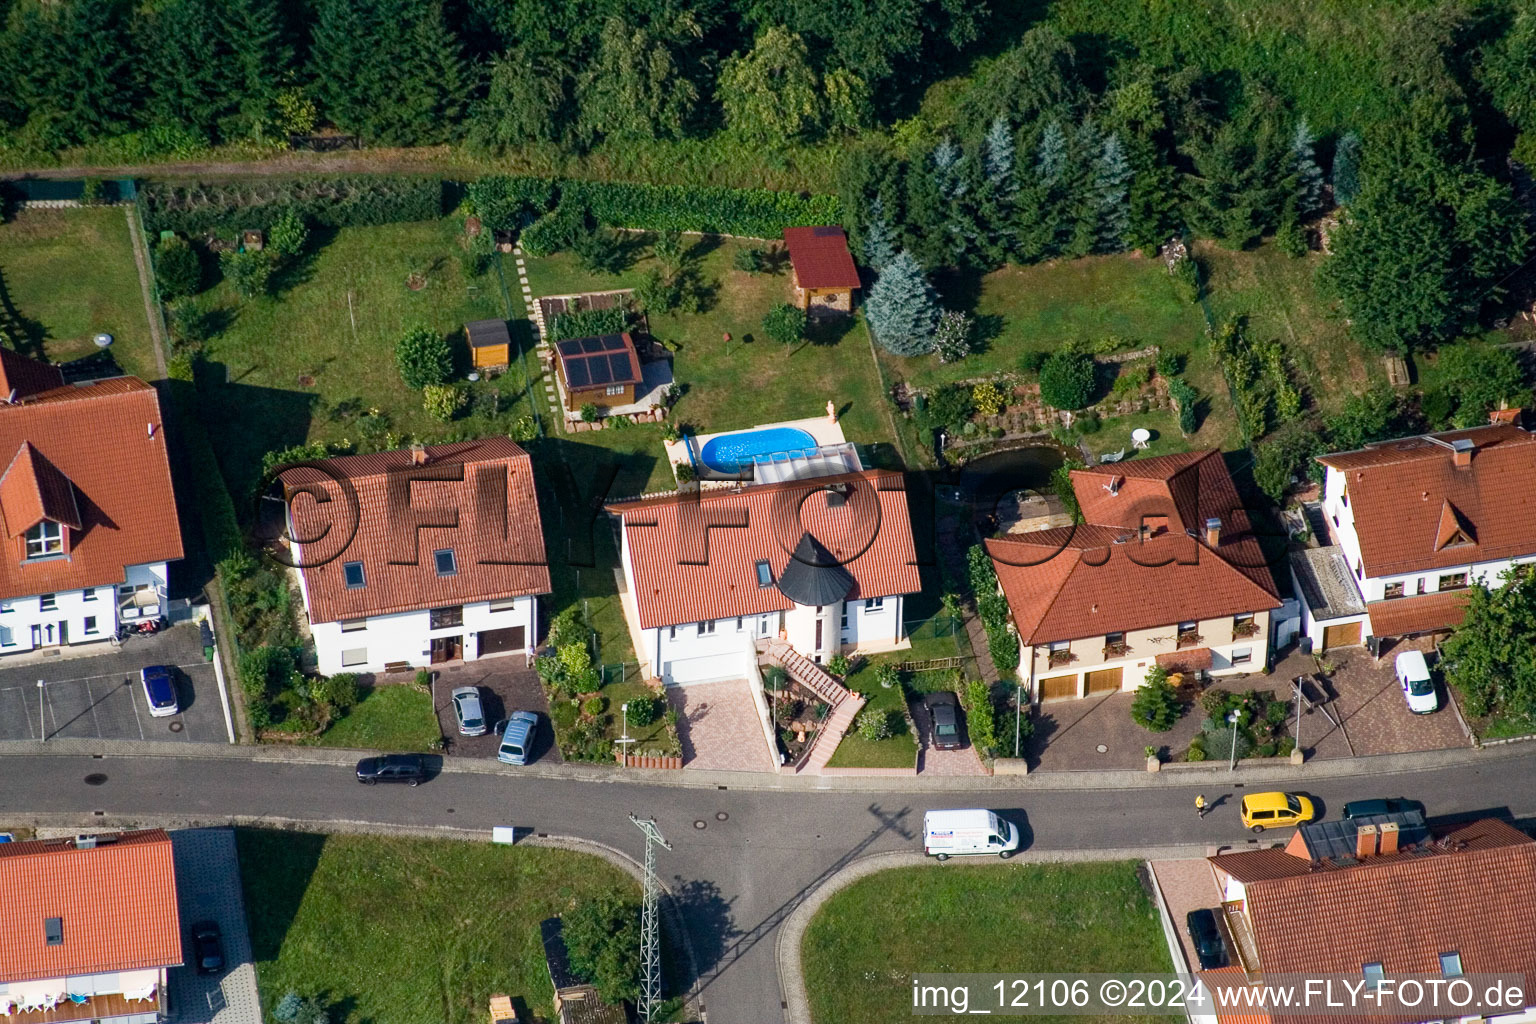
x=793, y=993
x=1186, y=776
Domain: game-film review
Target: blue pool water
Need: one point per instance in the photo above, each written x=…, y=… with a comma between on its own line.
x=729, y=452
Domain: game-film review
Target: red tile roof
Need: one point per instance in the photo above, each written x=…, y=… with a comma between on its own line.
x=820, y=257
x=1196, y=659
x=25, y=377
x=1402, y=911
x=117, y=903
x=1075, y=582
x=688, y=565
x=101, y=448
x=1404, y=494
x=1425, y=614
x=1230, y=978
x=498, y=544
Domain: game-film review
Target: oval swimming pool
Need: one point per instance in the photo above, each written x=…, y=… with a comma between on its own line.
x=728, y=453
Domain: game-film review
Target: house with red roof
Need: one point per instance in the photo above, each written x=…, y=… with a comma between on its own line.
x=1414, y=521
x=821, y=269
x=822, y=564
x=89, y=928
x=87, y=505
x=1383, y=898
x=418, y=556
x=1165, y=571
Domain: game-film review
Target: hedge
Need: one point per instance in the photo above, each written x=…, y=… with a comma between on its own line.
x=507, y=203
x=221, y=526
x=196, y=209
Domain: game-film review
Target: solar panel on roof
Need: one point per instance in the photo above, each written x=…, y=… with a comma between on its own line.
x=570, y=348
x=591, y=344
x=618, y=367
x=612, y=342
x=577, y=374
x=826, y=232
x=600, y=370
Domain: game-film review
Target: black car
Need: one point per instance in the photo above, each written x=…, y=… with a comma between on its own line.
x=406, y=768
x=207, y=948
x=945, y=711
x=1388, y=805
x=1203, y=932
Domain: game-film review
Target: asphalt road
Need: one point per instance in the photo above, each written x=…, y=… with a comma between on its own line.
x=757, y=853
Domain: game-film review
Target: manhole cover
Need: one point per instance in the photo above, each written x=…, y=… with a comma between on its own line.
x=450, y=810
x=700, y=824
x=1102, y=749
x=95, y=779
x=721, y=816
x=177, y=726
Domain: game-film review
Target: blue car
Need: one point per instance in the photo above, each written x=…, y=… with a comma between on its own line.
x=159, y=690
x=517, y=738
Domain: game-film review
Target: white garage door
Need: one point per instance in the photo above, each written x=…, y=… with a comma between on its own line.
x=711, y=669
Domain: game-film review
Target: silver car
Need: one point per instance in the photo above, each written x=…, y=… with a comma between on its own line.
x=466, y=708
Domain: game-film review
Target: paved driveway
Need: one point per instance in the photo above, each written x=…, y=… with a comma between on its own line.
x=1375, y=714
x=208, y=889
x=719, y=727
x=99, y=696
x=931, y=760
x=505, y=686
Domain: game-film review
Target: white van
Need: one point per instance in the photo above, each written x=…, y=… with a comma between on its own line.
x=1418, y=688
x=949, y=834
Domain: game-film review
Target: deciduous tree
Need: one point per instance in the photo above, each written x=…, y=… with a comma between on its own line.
x=771, y=94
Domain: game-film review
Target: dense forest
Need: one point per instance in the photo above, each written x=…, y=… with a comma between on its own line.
x=965, y=133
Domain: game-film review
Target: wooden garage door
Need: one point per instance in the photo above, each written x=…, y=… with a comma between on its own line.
x=1105, y=680
x=1058, y=687
x=1347, y=635
x=501, y=641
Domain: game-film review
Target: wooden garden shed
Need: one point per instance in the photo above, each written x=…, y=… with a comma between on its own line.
x=822, y=269
x=490, y=343
x=602, y=370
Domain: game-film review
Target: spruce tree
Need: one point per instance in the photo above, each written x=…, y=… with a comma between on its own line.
x=1081, y=206
x=997, y=209
x=1309, y=176
x=95, y=83
x=261, y=60
x=187, y=84
x=902, y=310
x=1111, y=192
x=1053, y=220
x=343, y=58
x=1346, y=169
x=879, y=248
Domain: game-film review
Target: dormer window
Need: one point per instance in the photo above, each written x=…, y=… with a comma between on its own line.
x=45, y=539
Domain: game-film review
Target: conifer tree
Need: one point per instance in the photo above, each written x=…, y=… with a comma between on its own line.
x=94, y=80
x=879, y=248
x=1111, y=196
x=1346, y=169
x=997, y=208
x=1309, y=176
x=261, y=61
x=902, y=310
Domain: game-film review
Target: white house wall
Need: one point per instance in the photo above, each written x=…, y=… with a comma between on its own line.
x=25, y=625
x=407, y=636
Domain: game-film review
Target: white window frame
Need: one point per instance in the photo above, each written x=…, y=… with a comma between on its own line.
x=47, y=602
x=45, y=540
x=874, y=605
x=89, y=625
x=1242, y=655
x=354, y=656
x=614, y=389
x=7, y=636
x=706, y=628
x=88, y=594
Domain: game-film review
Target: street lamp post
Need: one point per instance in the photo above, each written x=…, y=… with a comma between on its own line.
x=42, y=709
x=624, y=741
x=1232, y=721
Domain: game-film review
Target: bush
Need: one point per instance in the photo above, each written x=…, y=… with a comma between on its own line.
x=256, y=203
x=1068, y=380
x=589, y=412
x=837, y=665
x=1276, y=712
x=1185, y=397
x=887, y=675
x=1032, y=361
x=507, y=203
x=988, y=398
x=593, y=706
x=1131, y=380
x=423, y=679
x=1216, y=702
x=1089, y=423
x=784, y=324
x=645, y=710
x=178, y=271
x=1285, y=746
x=981, y=715
x=955, y=336
x=265, y=672
x=1266, y=749
x=753, y=213
x=1194, y=753
x=559, y=229
x=340, y=691
x=1156, y=706
x=1291, y=238
x=874, y=724
x=750, y=259
x=588, y=323
x=1218, y=743
x=1187, y=277
x=602, y=935
x=289, y=234
x=600, y=251
x=190, y=322
x=1169, y=364
x=249, y=272
x=443, y=401
x=423, y=357
x=1003, y=647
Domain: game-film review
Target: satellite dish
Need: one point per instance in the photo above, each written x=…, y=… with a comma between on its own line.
x=102, y=340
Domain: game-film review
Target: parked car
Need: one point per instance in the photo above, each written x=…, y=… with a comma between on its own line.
x=517, y=735
x=1389, y=805
x=159, y=690
x=972, y=831
x=407, y=768
x=944, y=709
x=467, y=709
x=1206, y=937
x=1413, y=676
x=1276, y=810
x=207, y=948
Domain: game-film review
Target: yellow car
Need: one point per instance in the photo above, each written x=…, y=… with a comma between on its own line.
x=1276, y=810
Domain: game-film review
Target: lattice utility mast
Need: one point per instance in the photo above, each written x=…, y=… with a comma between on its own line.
x=650, y=925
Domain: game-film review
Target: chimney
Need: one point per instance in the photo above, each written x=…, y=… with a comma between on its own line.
x=83, y=842
x=1365, y=842
x=1461, y=453
x=419, y=454
x=1213, y=532
x=1389, y=832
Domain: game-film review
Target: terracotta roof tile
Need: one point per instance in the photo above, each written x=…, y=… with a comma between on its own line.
x=24, y=377
x=1103, y=577
x=1399, y=492
x=820, y=257
x=693, y=557
x=486, y=486
x=117, y=903
x=1404, y=615
x=1233, y=977
x=105, y=442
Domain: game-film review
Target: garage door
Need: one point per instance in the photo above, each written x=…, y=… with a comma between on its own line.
x=501, y=641
x=1341, y=636
x=1058, y=687
x=1105, y=680
x=712, y=669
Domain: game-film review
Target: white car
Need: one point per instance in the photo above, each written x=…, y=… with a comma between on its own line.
x=1413, y=676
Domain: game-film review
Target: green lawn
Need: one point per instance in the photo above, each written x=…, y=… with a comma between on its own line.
x=67, y=275
x=864, y=945
x=393, y=717
x=896, y=751
x=399, y=931
x=304, y=363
